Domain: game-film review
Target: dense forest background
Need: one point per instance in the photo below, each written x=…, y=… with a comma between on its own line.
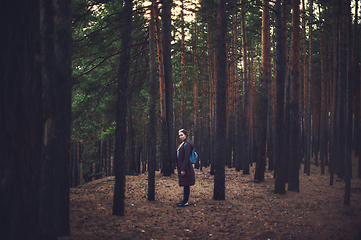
x=320, y=71
x=102, y=88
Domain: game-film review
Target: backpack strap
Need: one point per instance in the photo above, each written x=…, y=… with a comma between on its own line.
x=182, y=144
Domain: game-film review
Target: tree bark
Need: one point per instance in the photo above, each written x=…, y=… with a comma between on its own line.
x=247, y=114
x=263, y=104
x=195, y=92
x=152, y=107
x=169, y=150
x=120, y=130
x=63, y=112
x=183, y=68
x=21, y=120
x=280, y=171
x=132, y=163
x=307, y=100
x=348, y=153
x=219, y=177
x=340, y=101
x=47, y=195
x=333, y=98
x=324, y=105
x=295, y=150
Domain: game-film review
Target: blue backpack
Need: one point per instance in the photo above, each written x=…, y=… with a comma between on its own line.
x=194, y=156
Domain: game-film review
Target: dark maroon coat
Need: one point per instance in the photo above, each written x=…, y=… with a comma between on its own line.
x=184, y=164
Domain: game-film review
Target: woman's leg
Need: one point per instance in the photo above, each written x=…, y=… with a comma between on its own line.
x=186, y=194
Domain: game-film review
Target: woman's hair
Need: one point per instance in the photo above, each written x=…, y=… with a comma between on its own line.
x=184, y=132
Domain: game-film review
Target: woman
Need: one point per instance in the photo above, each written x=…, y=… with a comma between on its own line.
x=184, y=166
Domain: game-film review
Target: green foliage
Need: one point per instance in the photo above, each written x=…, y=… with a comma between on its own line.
x=96, y=45
x=97, y=28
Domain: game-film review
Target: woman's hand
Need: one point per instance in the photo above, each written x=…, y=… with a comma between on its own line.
x=183, y=173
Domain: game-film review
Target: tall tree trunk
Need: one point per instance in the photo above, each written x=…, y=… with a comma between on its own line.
x=47, y=195
x=183, y=67
x=304, y=87
x=63, y=112
x=295, y=150
x=329, y=91
x=152, y=107
x=314, y=109
x=21, y=120
x=265, y=79
x=219, y=177
x=333, y=100
x=162, y=91
x=208, y=100
x=195, y=91
x=324, y=105
x=232, y=89
x=348, y=163
x=341, y=77
x=311, y=96
x=271, y=123
x=246, y=118
x=236, y=96
x=169, y=150
x=287, y=92
x=307, y=100
x=120, y=130
x=280, y=171
x=356, y=84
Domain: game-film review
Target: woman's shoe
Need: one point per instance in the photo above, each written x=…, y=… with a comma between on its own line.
x=182, y=204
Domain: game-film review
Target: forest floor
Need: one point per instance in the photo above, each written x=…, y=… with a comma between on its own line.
x=251, y=210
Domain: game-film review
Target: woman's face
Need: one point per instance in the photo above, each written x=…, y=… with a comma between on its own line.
x=182, y=136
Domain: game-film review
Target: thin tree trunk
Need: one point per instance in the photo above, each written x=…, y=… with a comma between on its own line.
x=168, y=148
x=183, y=68
x=195, y=91
x=271, y=123
x=233, y=81
x=348, y=163
x=236, y=99
x=208, y=120
x=152, y=107
x=295, y=150
x=162, y=91
x=246, y=118
x=341, y=96
x=263, y=104
x=356, y=84
x=333, y=100
x=280, y=171
x=304, y=86
x=219, y=177
x=308, y=97
x=287, y=92
x=120, y=131
x=324, y=108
